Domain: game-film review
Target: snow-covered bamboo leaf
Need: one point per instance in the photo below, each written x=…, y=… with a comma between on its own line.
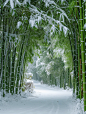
x=12, y=3
x=17, y=2
x=5, y=3
x=85, y=26
x=25, y=2
x=18, y=24
x=65, y=30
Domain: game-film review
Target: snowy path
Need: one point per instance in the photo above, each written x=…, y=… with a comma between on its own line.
x=44, y=100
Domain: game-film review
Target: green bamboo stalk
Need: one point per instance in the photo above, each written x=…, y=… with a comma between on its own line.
x=2, y=70
x=6, y=68
x=22, y=74
x=18, y=65
x=79, y=69
x=83, y=21
x=75, y=52
x=8, y=51
x=76, y=49
x=3, y=58
x=70, y=82
x=50, y=79
x=22, y=69
x=77, y=77
x=74, y=63
x=78, y=45
x=0, y=61
x=60, y=82
x=83, y=55
x=18, y=71
x=12, y=84
x=0, y=46
x=23, y=61
x=77, y=59
x=79, y=62
x=85, y=33
x=55, y=82
x=69, y=79
x=63, y=78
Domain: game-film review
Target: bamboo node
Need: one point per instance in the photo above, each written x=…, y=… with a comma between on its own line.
x=83, y=72
x=80, y=19
x=80, y=7
x=77, y=6
x=83, y=52
x=82, y=41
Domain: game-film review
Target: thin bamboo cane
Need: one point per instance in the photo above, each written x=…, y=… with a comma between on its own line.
x=7, y=54
x=18, y=69
x=12, y=84
x=68, y=76
x=63, y=78
x=60, y=82
x=69, y=79
x=79, y=72
x=84, y=16
x=0, y=61
x=6, y=66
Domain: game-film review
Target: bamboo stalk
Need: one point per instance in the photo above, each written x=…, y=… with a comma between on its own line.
x=12, y=84
x=85, y=32
x=3, y=58
x=83, y=54
x=18, y=65
x=60, y=82
x=78, y=45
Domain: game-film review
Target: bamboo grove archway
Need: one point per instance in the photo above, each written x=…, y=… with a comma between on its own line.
x=14, y=44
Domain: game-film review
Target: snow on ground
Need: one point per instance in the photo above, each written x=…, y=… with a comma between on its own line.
x=44, y=100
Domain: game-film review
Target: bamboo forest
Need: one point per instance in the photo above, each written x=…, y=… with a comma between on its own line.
x=43, y=41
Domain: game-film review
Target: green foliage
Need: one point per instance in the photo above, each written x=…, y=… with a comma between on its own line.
x=61, y=48
x=71, y=6
x=48, y=66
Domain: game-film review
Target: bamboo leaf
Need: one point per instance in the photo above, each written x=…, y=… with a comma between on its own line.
x=5, y=3
x=12, y=4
